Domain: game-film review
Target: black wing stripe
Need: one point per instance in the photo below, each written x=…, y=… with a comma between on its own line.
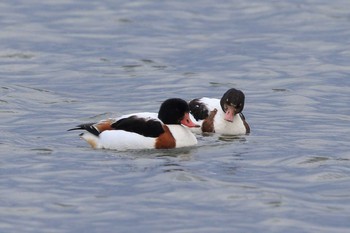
x=146, y=127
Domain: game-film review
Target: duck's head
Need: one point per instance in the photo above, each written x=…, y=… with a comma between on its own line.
x=232, y=103
x=175, y=111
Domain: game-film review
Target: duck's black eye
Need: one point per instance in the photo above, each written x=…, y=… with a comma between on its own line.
x=225, y=107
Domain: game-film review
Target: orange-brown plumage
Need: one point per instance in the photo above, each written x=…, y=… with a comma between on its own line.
x=165, y=140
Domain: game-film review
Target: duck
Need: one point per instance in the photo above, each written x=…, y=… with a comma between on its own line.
x=165, y=130
x=222, y=116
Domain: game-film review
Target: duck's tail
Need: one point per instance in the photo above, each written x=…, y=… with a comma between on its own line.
x=92, y=139
x=91, y=136
x=90, y=127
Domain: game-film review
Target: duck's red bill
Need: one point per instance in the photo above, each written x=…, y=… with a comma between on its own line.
x=230, y=113
x=188, y=122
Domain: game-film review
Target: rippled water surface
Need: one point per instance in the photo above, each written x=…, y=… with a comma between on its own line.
x=67, y=62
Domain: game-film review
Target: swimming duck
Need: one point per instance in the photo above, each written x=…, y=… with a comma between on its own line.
x=167, y=129
x=223, y=116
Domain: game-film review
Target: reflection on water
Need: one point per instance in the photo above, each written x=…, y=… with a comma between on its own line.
x=66, y=62
x=316, y=159
x=17, y=55
x=231, y=138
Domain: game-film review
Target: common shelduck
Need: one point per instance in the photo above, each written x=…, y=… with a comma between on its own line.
x=168, y=129
x=223, y=116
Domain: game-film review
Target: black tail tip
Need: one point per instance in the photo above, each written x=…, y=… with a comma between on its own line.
x=76, y=128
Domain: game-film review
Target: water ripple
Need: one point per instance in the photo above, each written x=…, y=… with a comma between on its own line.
x=64, y=63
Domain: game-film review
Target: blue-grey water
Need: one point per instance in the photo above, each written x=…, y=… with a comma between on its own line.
x=66, y=62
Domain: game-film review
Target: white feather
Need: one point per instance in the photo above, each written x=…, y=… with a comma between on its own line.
x=146, y=115
x=119, y=140
x=183, y=136
x=123, y=140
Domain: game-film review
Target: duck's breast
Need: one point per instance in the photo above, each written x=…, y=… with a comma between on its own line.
x=222, y=126
x=182, y=135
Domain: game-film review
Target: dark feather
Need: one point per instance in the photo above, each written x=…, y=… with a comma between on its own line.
x=198, y=109
x=88, y=127
x=147, y=128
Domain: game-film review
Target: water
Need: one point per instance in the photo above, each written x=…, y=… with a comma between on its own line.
x=67, y=62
